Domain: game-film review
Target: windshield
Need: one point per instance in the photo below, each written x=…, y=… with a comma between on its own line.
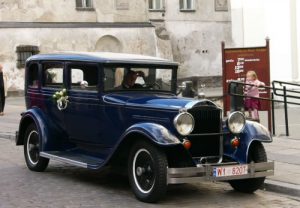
x=137, y=78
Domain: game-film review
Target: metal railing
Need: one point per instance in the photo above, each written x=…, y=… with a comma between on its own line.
x=280, y=89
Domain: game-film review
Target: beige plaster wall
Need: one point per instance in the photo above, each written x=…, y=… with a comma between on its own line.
x=122, y=10
x=196, y=36
x=65, y=11
x=191, y=38
x=197, y=46
x=132, y=40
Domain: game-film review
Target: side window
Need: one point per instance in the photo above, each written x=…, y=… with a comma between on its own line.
x=121, y=78
x=84, y=77
x=53, y=75
x=113, y=77
x=33, y=75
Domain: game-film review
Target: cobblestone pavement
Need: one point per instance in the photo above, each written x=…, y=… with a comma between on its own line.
x=69, y=187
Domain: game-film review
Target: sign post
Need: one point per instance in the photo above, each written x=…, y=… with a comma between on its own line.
x=236, y=62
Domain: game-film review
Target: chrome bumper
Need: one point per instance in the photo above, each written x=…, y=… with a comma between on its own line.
x=205, y=173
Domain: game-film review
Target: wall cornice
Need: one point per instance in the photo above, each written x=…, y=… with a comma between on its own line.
x=75, y=24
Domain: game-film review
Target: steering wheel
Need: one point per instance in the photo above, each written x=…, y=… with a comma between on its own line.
x=154, y=85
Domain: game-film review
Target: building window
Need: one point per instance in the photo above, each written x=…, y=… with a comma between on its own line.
x=156, y=4
x=84, y=5
x=187, y=5
x=24, y=52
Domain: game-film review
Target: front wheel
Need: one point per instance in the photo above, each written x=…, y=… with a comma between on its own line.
x=256, y=154
x=32, y=150
x=147, y=171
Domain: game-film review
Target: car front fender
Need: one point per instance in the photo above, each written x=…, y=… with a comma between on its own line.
x=155, y=132
x=253, y=132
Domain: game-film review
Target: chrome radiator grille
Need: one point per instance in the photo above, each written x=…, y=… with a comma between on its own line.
x=207, y=121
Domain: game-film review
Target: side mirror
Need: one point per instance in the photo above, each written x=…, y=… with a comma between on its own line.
x=201, y=93
x=188, y=90
x=180, y=88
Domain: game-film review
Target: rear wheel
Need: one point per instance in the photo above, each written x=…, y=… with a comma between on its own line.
x=147, y=171
x=256, y=154
x=32, y=150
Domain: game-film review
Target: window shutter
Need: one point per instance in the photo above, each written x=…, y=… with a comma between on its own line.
x=89, y=3
x=181, y=4
x=24, y=52
x=189, y=4
x=150, y=4
x=158, y=4
x=79, y=3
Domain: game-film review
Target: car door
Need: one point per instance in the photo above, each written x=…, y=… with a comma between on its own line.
x=84, y=113
x=53, y=77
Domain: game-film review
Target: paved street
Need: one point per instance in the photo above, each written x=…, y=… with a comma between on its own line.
x=68, y=186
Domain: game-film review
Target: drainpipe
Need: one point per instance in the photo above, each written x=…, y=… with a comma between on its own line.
x=294, y=41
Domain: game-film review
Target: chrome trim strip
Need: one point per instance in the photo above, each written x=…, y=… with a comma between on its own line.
x=150, y=118
x=193, y=103
x=63, y=159
x=209, y=134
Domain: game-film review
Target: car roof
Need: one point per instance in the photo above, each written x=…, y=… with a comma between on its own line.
x=102, y=57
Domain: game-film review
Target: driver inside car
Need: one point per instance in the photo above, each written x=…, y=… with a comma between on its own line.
x=130, y=79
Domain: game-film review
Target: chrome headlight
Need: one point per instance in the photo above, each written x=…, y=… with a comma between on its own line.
x=236, y=122
x=184, y=123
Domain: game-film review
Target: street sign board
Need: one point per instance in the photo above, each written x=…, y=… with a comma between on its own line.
x=238, y=61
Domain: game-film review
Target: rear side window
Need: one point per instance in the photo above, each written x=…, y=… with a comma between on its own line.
x=84, y=76
x=33, y=75
x=53, y=75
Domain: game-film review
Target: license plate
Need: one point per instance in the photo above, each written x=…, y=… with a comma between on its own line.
x=233, y=170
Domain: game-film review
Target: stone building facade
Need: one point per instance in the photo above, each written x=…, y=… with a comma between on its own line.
x=187, y=31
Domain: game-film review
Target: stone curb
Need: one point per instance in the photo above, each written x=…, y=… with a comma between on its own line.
x=282, y=187
x=7, y=135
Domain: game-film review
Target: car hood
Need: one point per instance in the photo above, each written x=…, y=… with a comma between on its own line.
x=166, y=101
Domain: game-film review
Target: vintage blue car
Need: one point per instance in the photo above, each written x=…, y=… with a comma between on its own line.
x=95, y=110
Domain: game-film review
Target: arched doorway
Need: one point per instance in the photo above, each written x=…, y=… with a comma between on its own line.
x=108, y=43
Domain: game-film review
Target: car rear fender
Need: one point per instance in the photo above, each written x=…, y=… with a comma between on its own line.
x=253, y=132
x=34, y=115
x=157, y=133
x=50, y=136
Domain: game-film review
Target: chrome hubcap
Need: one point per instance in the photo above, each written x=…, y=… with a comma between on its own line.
x=144, y=176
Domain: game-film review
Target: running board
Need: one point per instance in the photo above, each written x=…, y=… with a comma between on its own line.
x=74, y=158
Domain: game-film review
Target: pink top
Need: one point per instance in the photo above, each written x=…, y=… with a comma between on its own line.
x=253, y=90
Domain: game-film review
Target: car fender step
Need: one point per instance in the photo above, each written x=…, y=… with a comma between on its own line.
x=74, y=158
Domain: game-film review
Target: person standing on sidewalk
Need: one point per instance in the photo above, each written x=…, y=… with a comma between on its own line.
x=251, y=91
x=2, y=90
